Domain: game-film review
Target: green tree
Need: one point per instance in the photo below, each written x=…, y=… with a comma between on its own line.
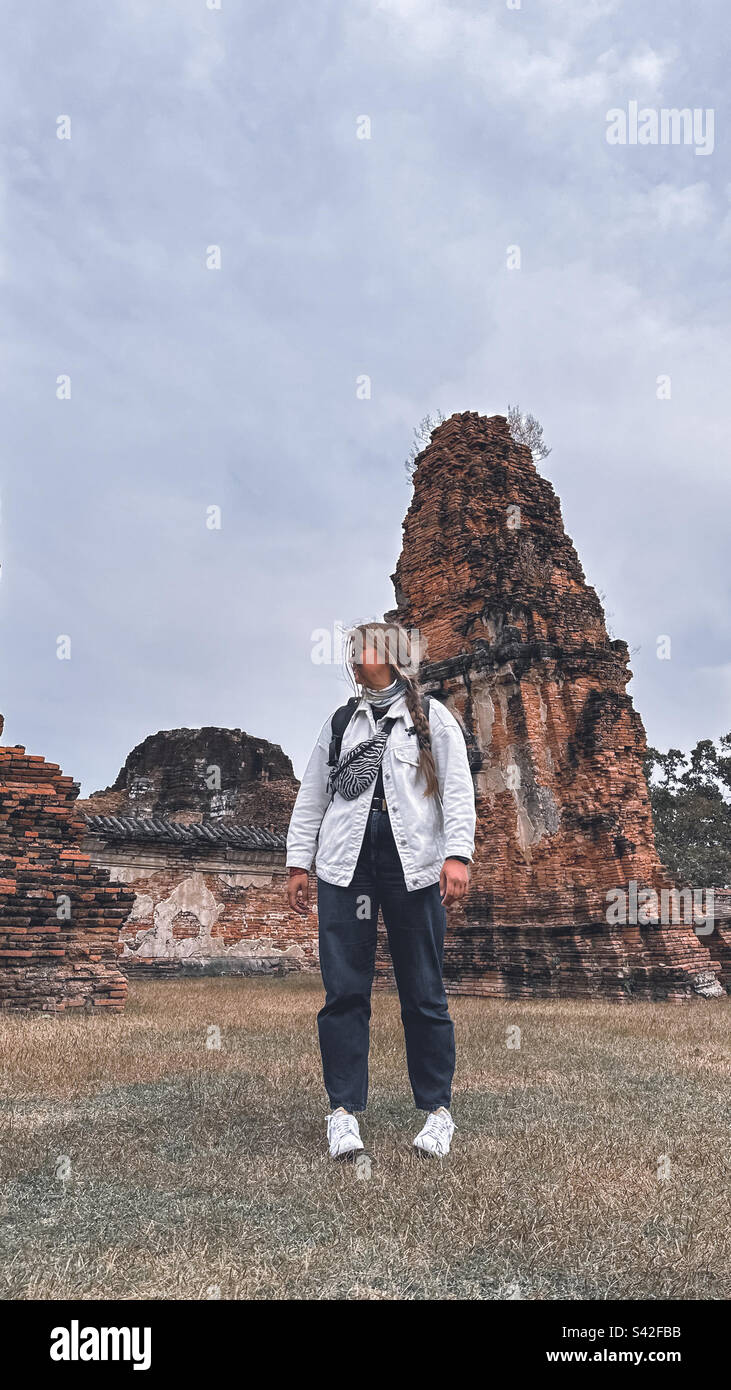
x=691, y=808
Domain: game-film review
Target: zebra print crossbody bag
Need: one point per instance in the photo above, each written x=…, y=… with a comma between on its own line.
x=355, y=770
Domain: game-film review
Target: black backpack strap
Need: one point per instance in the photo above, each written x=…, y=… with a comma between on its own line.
x=338, y=725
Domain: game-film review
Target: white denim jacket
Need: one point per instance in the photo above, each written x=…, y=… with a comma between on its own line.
x=427, y=829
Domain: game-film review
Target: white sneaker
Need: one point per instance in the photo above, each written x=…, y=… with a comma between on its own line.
x=436, y=1136
x=343, y=1134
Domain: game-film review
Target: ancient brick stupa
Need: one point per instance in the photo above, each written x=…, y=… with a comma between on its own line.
x=517, y=646
x=208, y=774
x=60, y=918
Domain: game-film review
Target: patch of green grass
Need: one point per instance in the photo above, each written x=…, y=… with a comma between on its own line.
x=137, y=1162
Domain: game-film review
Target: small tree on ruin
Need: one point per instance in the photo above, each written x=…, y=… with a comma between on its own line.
x=525, y=429
x=422, y=438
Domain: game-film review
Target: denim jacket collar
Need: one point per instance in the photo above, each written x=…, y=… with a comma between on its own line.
x=397, y=709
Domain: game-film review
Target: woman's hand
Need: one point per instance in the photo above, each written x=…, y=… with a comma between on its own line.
x=454, y=881
x=298, y=891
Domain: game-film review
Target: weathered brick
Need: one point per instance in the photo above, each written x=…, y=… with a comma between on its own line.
x=41, y=859
x=203, y=908
x=169, y=775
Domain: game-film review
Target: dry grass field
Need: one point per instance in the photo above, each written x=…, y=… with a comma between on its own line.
x=138, y=1162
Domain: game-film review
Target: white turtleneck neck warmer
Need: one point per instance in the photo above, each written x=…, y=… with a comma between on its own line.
x=387, y=694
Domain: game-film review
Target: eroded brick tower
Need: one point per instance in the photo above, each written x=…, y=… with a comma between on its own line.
x=517, y=646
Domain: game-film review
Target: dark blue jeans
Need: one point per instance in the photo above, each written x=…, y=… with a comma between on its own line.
x=415, y=923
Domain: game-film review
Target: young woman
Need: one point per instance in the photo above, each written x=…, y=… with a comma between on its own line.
x=393, y=820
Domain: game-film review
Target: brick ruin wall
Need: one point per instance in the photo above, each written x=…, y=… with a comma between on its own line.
x=207, y=912
x=60, y=916
x=719, y=942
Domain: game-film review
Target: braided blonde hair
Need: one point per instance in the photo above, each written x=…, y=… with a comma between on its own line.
x=396, y=647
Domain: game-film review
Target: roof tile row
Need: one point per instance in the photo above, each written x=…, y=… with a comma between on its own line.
x=172, y=832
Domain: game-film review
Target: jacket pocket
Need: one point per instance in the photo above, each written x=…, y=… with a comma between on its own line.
x=407, y=752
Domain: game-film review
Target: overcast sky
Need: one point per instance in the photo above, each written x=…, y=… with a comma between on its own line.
x=340, y=256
